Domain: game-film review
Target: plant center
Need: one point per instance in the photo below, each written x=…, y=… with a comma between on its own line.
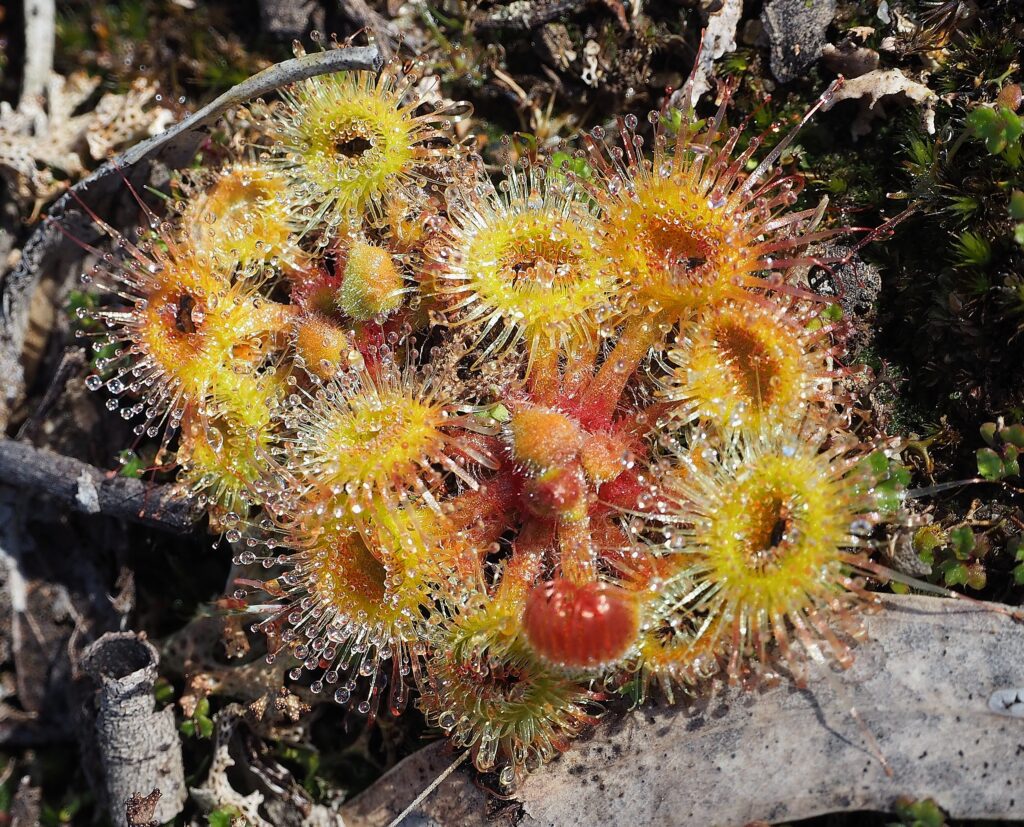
x=769, y=534
x=750, y=363
x=353, y=145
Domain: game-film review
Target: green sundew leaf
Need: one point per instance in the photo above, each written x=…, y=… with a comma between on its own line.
x=990, y=464
x=833, y=313
x=1013, y=434
x=222, y=817
x=899, y=473
x=926, y=540
x=1018, y=234
x=961, y=540
x=188, y=729
x=131, y=465
x=888, y=478
x=1017, y=205
x=877, y=464
x=1018, y=574
x=954, y=573
x=888, y=496
x=163, y=691
x=998, y=127
x=672, y=120
x=497, y=412
x=988, y=432
x=918, y=813
x=205, y=727
x=577, y=166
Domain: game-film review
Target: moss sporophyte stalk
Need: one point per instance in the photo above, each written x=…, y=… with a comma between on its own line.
x=503, y=448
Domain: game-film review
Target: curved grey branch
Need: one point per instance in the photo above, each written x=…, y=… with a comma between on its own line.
x=92, y=491
x=939, y=684
x=47, y=248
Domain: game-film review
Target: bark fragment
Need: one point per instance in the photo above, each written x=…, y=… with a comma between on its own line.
x=924, y=685
x=133, y=748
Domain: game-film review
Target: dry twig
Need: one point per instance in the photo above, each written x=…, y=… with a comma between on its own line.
x=92, y=491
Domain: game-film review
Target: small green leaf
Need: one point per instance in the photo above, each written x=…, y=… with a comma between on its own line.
x=1014, y=434
x=924, y=813
x=926, y=540
x=899, y=474
x=878, y=464
x=837, y=185
x=188, y=728
x=222, y=817
x=833, y=313
x=954, y=573
x=961, y=540
x=205, y=726
x=999, y=127
x=672, y=120
x=496, y=412
x=990, y=464
x=1017, y=205
x=131, y=465
x=887, y=480
x=988, y=432
x=982, y=119
x=163, y=691
x=1018, y=574
x=888, y=496
x=577, y=166
x=633, y=691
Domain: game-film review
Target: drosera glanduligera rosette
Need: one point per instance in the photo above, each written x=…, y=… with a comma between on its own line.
x=511, y=446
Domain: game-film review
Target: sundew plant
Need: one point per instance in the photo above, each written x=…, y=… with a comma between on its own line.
x=504, y=443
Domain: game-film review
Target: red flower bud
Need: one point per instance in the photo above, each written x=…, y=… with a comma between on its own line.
x=580, y=626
